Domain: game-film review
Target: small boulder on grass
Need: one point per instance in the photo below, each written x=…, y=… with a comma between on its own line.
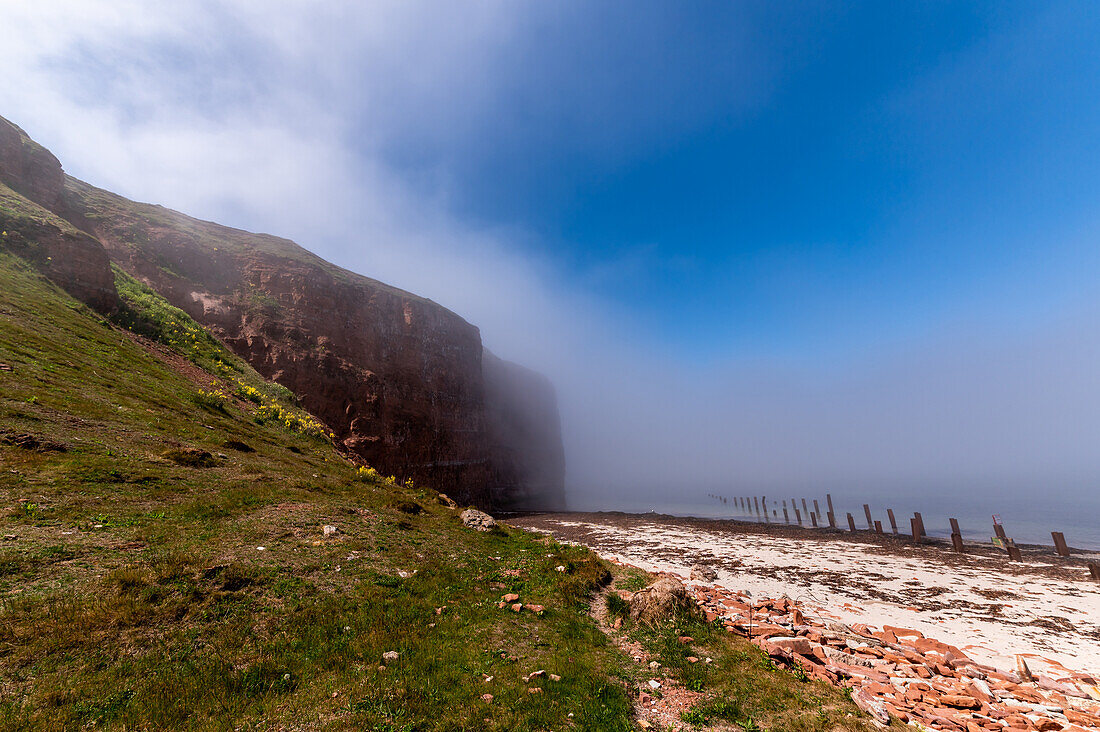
x=390, y=656
x=664, y=599
x=478, y=520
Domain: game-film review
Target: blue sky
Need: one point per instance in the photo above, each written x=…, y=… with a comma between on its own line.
x=752, y=177
x=850, y=245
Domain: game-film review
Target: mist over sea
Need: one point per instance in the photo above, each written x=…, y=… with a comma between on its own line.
x=1028, y=516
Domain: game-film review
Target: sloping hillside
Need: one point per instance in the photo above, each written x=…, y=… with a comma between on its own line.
x=182, y=546
x=163, y=561
x=397, y=377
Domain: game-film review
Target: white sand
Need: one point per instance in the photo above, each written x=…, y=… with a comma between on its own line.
x=881, y=589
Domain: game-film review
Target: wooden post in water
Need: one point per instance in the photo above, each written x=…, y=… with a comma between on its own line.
x=999, y=530
x=817, y=510
x=1060, y=543
x=878, y=527
x=764, y=505
x=805, y=510
x=955, y=526
x=916, y=529
x=813, y=519
x=851, y=523
x=920, y=523
x=832, y=520
x=870, y=522
x=756, y=504
x=797, y=515
x=1094, y=570
x=1014, y=551
x=786, y=517
x=829, y=500
x=893, y=521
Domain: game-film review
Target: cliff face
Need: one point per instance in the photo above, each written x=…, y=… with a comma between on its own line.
x=399, y=379
x=525, y=427
x=31, y=184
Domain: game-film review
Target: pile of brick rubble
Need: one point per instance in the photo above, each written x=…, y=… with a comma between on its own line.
x=899, y=673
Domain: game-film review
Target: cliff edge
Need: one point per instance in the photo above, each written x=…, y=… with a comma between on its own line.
x=401, y=381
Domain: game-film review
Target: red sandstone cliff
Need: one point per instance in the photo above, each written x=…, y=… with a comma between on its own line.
x=73, y=260
x=399, y=378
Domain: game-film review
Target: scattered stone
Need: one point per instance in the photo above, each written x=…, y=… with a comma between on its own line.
x=961, y=702
x=444, y=499
x=486, y=697
x=559, y=568
x=510, y=597
x=10, y=537
x=654, y=665
x=329, y=530
x=517, y=607
x=555, y=677
x=685, y=640
x=478, y=520
x=533, y=675
x=793, y=645
x=702, y=573
x=1023, y=670
x=389, y=656
x=534, y=690
x=691, y=659
x=536, y=609
x=654, y=684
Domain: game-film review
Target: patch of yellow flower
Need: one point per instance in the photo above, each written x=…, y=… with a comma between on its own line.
x=292, y=420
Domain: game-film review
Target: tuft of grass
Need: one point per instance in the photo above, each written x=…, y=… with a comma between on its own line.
x=190, y=457
x=617, y=607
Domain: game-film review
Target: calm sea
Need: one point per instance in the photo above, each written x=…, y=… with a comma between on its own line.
x=1027, y=519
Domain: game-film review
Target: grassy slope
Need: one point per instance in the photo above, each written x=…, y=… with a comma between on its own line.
x=112, y=611
x=134, y=593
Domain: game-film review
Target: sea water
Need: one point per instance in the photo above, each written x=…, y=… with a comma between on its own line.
x=1026, y=518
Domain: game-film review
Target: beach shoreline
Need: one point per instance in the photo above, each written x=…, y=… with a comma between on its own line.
x=1045, y=608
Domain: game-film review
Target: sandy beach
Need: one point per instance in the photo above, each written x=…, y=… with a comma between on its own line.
x=1045, y=608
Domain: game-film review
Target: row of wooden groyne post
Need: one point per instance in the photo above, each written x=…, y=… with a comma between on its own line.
x=759, y=506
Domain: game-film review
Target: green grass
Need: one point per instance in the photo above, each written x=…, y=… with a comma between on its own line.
x=741, y=685
x=163, y=566
x=135, y=595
